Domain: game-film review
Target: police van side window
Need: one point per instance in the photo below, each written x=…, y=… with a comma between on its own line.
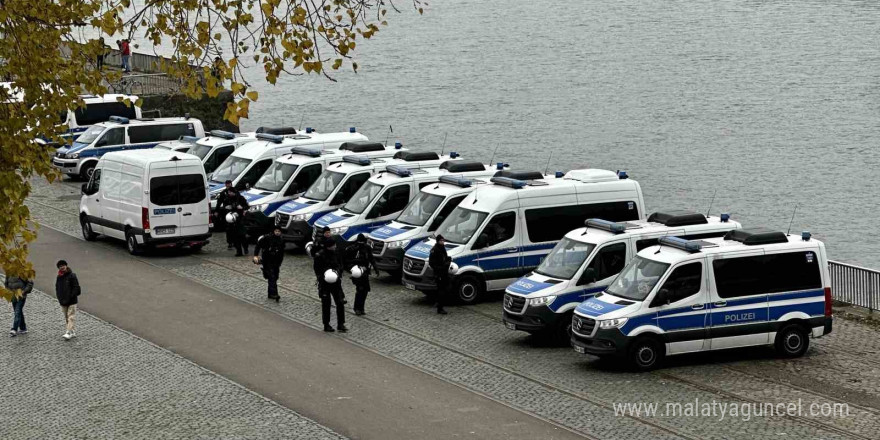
x=646, y=243
x=609, y=261
x=349, y=188
x=142, y=134
x=95, y=183
x=735, y=277
x=501, y=228
x=306, y=177
x=251, y=176
x=566, y=218
x=447, y=209
x=765, y=274
x=684, y=281
x=218, y=157
x=394, y=199
x=101, y=111
x=113, y=136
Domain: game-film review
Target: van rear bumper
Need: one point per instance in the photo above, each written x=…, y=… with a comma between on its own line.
x=169, y=242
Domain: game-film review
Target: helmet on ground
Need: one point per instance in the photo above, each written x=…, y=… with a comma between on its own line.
x=357, y=271
x=453, y=268
x=330, y=276
x=231, y=217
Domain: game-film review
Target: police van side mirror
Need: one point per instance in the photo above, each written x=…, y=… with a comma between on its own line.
x=85, y=189
x=588, y=277
x=662, y=298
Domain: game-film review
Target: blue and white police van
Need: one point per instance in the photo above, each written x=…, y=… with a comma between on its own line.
x=422, y=216
x=247, y=164
x=585, y=262
x=753, y=287
x=217, y=145
x=290, y=176
x=383, y=197
x=336, y=186
x=98, y=109
x=120, y=134
x=502, y=231
x=181, y=145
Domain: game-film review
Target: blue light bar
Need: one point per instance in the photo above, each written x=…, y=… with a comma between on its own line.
x=453, y=154
x=680, y=243
x=457, y=181
x=305, y=151
x=189, y=139
x=605, y=225
x=118, y=119
x=398, y=170
x=274, y=138
x=357, y=160
x=508, y=182
x=560, y=174
x=309, y=129
x=499, y=166
x=398, y=145
x=725, y=217
x=806, y=235
x=622, y=175
x=222, y=134
x=352, y=130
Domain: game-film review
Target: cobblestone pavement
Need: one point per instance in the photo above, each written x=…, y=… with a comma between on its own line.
x=109, y=384
x=470, y=347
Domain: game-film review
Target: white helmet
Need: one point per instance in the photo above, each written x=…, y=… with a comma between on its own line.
x=453, y=268
x=231, y=217
x=330, y=276
x=309, y=247
x=357, y=271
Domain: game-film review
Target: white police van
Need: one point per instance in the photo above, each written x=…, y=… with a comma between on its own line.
x=753, y=287
x=585, y=262
x=502, y=231
x=422, y=216
x=218, y=145
x=182, y=145
x=247, y=164
x=120, y=134
x=336, y=186
x=383, y=197
x=290, y=176
x=98, y=109
x=149, y=198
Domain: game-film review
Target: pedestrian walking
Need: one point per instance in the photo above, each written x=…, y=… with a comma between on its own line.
x=360, y=258
x=439, y=262
x=222, y=209
x=236, y=206
x=125, y=53
x=19, y=327
x=328, y=270
x=271, y=245
x=67, y=291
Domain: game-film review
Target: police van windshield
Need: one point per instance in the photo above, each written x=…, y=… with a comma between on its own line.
x=91, y=134
x=276, y=176
x=324, y=186
x=200, y=150
x=230, y=169
x=637, y=279
x=362, y=198
x=461, y=225
x=420, y=209
x=565, y=259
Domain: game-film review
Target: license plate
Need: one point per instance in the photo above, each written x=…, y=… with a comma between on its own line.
x=409, y=286
x=510, y=325
x=164, y=231
x=579, y=349
x=164, y=211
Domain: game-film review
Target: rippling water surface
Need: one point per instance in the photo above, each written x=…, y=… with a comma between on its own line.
x=773, y=104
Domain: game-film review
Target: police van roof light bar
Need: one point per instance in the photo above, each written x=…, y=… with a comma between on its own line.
x=357, y=160
x=222, y=134
x=457, y=181
x=398, y=170
x=605, y=225
x=189, y=139
x=680, y=243
x=274, y=138
x=304, y=151
x=508, y=182
x=118, y=119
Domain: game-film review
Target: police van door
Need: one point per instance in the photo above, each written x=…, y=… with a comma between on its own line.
x=388, y=206
x=603, y=267
x=681, y=305
x=498, y=250
x=738, y=300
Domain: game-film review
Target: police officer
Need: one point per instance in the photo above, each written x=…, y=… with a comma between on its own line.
x=326, y=259
x=223, y=207
x=327, y=236
x=235, y=233
x=359, y=254
x=439, y=262
x=272, y=247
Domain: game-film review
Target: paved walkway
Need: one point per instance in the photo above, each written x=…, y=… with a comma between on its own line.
x=108, y=384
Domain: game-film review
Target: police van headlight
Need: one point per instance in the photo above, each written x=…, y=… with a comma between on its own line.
x=397, y=244
x=300, y=217
x=73, y=156
x=612, y=323
x=258, y=208
x=339, y=231
x=541, y=300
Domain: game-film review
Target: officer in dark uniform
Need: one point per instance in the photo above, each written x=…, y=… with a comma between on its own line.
x=235, y=232
x=326, y=259
x=223, y=207
x=360, y=254
x=272, y=247
x=439, y=262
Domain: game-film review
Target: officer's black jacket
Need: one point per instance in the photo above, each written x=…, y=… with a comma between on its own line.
x=272, y=248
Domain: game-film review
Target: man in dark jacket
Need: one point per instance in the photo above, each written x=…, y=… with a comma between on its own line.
x=359, y=254
x=235, y=233
x=67, y=291
x=220, y=213
x=15, y=284
x=439, y=262
x=272, y=247
x=327, y=259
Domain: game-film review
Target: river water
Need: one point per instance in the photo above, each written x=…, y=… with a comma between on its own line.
x=773, y=104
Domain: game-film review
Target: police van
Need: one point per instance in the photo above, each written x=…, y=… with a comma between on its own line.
x=247, y=164
x=502, y=231
x=214, y=148
x=336, y=186
x=752, y=287
x=181, y=145
x=149, y=198
x=383, y=197
x=290, y=176
x=422, y=216
x=120, y=134
x=98, y=109
x=585, y=262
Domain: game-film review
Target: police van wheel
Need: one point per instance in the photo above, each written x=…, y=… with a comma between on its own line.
x=792, y=341
x=646, y=354
x=469, y=290
x=131, y=243
x=562, y=332
x=85, y=173
x=87, y=232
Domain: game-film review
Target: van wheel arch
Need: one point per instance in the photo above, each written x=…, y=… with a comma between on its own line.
x=86, y=228
x=131, y=242
x=793, y=339
x=86, y=169
x=470, y=287
x=646, y=352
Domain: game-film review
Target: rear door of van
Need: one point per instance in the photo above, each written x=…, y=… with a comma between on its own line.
x=178, y=200
x=194, y=212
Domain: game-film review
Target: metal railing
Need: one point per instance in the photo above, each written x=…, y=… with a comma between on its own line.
x=146, y=85
x=855, y=285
